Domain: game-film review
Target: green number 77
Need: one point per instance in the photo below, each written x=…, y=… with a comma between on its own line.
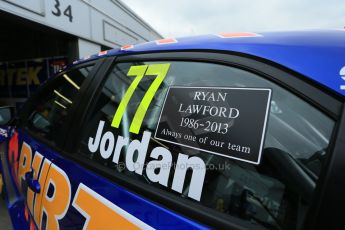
x=159, y=70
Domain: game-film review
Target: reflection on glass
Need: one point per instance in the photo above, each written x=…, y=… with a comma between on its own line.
x=71, y=81
x=62, y=96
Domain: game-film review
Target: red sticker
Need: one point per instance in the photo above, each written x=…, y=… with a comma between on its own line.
x=13, y=153
x=32, y=225
x=166, y=41
x=26, y=213
x=103, y=53
x=237, y=34
x=126, y=47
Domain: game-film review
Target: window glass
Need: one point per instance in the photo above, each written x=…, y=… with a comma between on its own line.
x=5, y=115
x=274, y=193
x=51, y=107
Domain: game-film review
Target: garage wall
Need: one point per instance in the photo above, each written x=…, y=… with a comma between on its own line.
x=105, y=22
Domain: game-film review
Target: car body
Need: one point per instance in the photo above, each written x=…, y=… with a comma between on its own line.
x=226, y=131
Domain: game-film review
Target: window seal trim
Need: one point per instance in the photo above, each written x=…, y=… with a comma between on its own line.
x=331, y=185
x=80, y=112
x=309, y=90
x=47, y=86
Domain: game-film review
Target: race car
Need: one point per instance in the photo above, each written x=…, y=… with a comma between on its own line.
x=224, y=131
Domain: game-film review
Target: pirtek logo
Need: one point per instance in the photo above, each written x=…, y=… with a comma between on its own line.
x=20, y=76
x=54, y=207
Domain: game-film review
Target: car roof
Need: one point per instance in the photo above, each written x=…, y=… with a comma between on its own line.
x=316, y=54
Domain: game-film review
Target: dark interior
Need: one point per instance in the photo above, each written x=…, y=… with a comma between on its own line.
x=21, y=39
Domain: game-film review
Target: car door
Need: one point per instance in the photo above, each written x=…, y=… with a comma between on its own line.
x=40, y=131
x=126, y=165
x=115, y=171
x=76, y=197
x=69, y=193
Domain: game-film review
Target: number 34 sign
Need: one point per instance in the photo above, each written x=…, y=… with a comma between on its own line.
x=59, y=9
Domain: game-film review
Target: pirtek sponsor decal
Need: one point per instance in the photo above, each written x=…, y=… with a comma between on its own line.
x=20, y=76
x=55, y=206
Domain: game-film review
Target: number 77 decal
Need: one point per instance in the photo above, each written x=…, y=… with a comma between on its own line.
x=159, y=70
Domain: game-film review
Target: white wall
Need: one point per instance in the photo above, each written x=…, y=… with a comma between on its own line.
x=87, y=48
x=106, y=22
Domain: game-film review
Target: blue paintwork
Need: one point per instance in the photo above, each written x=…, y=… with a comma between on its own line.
x=16, y=207
x=317, y=54
x=16, y=213
x=147, y=211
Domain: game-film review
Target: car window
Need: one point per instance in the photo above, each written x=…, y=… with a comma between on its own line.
x=51, y=106
x=273, y=193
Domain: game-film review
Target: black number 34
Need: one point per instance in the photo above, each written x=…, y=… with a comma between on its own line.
x=67, y=12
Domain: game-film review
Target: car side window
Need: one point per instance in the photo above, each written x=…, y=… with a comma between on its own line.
x=274, y=193
x=51, y=106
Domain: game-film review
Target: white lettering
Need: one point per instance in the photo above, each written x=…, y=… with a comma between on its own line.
x=137, y=164
x=210, y=111
x=157, y=171
x=237, y=113
x=209, y=96
x=163, y=165
x=94, y=143
x=198, y=175
x=107, y=151
x=121, y=142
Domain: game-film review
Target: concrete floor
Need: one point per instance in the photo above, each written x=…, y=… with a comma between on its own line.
x=5, y=222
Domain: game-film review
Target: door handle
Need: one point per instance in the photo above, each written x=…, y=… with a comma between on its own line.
x=34, y=185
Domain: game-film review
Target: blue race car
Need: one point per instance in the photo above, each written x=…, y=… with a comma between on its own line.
x=224, y=131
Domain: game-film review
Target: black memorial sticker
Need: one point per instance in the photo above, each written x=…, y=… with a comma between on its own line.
x=230, y=122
